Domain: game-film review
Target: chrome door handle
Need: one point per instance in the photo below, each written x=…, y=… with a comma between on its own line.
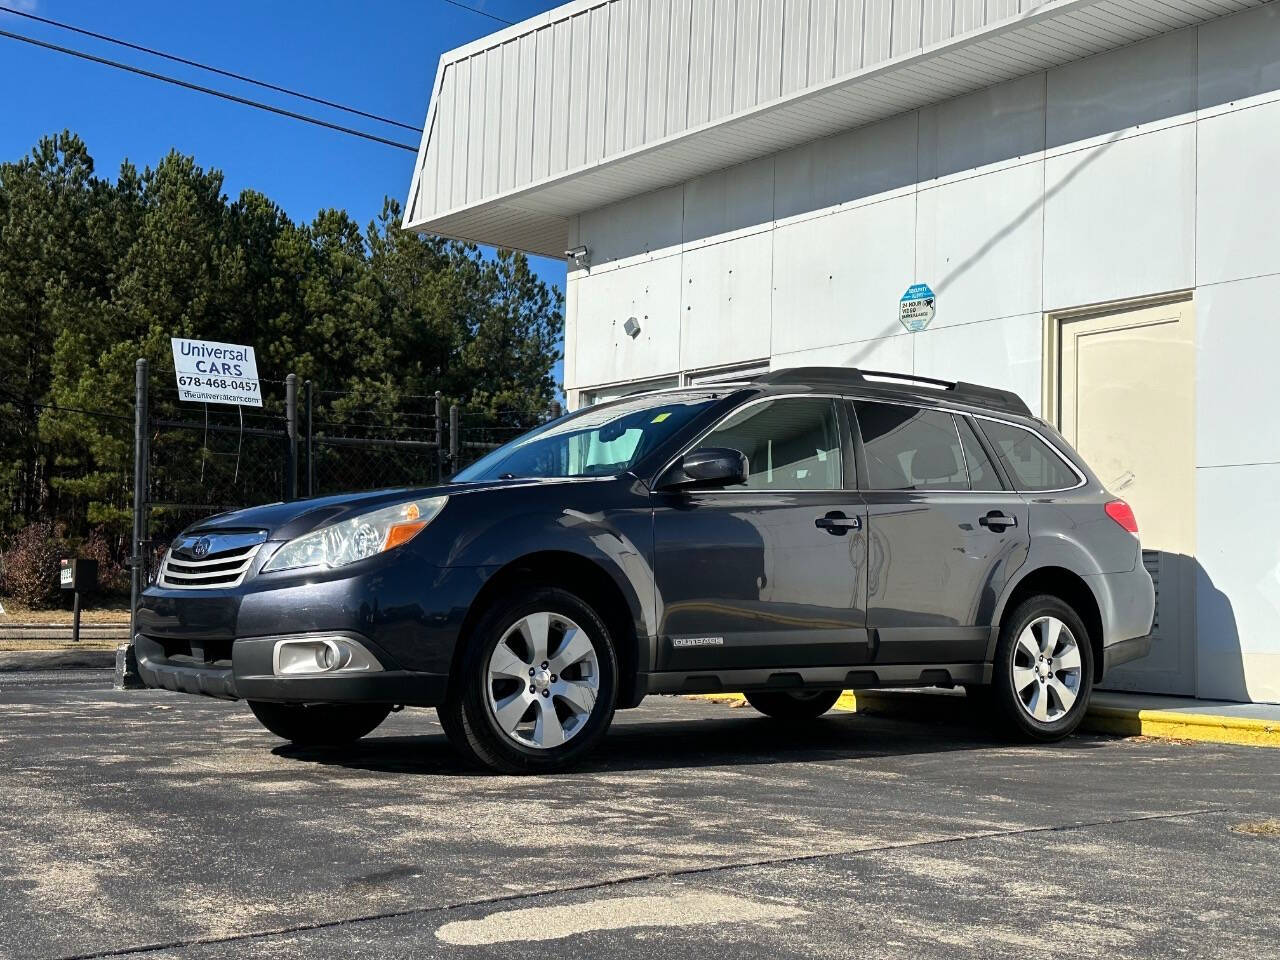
x=997, y=521
x=836, y=523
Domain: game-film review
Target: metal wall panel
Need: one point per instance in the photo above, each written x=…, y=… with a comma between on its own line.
x=615, y=108
x=822, y=40
x=723, y=24
x=969, y=15
x=599, y=78
x=769, y=83
x=597, y=92
x=746, y=50
x=564, y=96
x=795, y=45
x=939, y=20
x=848, y=36
x=907, y=29
x=877, y=31
x=509, y=109
x=476, y=126
x=492, y=156
x=637, y=67
x=440, y=185
x=457, y=184
x=700, y=62
x=544, y=65
x=524, y=114
x=655, y=97
x=677, y=90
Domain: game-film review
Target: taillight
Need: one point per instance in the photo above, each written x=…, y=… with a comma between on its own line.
x=1122, y=513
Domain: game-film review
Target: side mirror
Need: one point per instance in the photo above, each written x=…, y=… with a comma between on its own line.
x=706, y=468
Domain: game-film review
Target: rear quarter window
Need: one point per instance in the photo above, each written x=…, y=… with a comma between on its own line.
x=1031, y=462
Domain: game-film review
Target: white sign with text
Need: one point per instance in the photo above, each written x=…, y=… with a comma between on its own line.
x=211, y=372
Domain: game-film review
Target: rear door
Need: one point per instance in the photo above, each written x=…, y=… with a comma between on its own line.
x=771, y=573
x=944, y=533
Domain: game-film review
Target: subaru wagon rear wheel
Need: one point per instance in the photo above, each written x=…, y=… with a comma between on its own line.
x=536, y=687
x=1043, y=672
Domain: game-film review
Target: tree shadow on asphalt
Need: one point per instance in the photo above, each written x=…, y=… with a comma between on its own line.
x=713, y=741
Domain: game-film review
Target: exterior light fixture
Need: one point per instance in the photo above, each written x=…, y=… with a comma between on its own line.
x=631, y=328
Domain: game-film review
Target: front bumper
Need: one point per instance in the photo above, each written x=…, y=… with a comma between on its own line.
x=248, y=675
x=220, y=642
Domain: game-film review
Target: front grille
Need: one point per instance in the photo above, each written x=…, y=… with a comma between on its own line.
x=210, y=561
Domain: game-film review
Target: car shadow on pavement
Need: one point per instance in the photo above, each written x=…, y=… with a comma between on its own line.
x=713, y=741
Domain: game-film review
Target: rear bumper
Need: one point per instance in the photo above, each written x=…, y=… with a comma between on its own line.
x=1124, y=651
x=248, y=675
x=1127, y=604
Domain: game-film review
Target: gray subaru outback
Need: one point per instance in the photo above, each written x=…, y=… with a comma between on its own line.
x=807, y=531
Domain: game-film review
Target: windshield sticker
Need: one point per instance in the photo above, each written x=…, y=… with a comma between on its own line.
x=660, y=417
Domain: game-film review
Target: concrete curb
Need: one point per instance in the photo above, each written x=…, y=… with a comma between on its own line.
x=1120, y=721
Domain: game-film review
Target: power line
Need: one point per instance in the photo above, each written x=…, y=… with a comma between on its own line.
x=483, y=13
x=204, y=66
x=222, y=94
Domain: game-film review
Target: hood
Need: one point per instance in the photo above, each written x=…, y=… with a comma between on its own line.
x=284, y=521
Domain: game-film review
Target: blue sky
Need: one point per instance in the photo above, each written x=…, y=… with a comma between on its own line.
x=377, y=55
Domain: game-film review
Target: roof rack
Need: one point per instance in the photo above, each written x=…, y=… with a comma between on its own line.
x=901, y=383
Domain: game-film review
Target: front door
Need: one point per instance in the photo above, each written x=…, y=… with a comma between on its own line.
x=944, y=535
x=1127, y=404
x=772, y=573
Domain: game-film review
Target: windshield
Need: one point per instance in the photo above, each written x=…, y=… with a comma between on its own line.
x=595, y=442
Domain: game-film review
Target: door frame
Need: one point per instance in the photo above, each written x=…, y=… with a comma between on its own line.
x=1051, y=398
x=1051, y=354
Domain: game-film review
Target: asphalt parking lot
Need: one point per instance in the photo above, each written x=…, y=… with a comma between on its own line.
x=168, y=826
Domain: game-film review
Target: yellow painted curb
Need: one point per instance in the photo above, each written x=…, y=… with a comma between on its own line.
x=1122, y=721
x=1183, y=726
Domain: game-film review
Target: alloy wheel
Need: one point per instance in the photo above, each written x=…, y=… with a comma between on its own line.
x=1047, y=669
x=542, y=680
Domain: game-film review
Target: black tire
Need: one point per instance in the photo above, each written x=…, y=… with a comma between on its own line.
x=467, y=717
x=320, y=724
x=1011, y=702
x=794, y=706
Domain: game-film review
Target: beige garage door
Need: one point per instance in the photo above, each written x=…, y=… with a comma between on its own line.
x=1126, y=401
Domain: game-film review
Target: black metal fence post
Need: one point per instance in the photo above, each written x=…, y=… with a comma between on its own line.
x=455, y=437
x=439, y=435
x=140, y=427
x=310, y=450
x=291, y=438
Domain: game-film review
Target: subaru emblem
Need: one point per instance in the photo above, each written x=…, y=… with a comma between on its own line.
x=201, y=548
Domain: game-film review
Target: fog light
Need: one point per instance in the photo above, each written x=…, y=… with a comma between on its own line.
x=321, y=656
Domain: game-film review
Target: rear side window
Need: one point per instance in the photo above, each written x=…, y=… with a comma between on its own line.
x=791, y=444
x=908, y=448
x=1029, y=460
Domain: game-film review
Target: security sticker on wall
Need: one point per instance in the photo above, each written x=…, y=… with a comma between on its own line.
x=917, y=307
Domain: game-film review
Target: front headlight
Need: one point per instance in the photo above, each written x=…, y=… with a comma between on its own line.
x=357, y=538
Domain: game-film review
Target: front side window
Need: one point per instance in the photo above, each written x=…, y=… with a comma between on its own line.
x=790, y=444
x=1029, y=460
x=908, y=448
x=594, y=442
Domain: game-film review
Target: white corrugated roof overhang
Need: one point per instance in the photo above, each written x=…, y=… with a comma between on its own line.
x=535, y=215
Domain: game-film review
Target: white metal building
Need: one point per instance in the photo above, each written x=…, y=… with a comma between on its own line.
x=1089, y=187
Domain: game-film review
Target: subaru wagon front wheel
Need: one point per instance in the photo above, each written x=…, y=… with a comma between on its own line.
x=1043, y=672
x=536, y=686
